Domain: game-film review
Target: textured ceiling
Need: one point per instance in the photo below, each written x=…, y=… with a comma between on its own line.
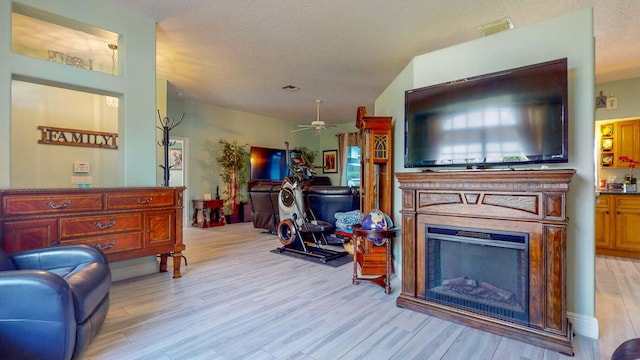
x=240, y=53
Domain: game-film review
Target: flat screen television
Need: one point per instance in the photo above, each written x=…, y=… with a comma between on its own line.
x=268, y=164
x=512, y=117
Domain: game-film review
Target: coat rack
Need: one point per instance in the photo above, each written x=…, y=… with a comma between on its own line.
x=166, y=126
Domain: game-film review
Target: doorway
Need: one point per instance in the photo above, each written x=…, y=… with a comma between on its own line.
x=178, y=173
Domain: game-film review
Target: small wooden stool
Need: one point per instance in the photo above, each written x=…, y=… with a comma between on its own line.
x=360, y=234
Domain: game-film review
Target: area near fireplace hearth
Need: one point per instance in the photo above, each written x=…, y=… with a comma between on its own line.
x=488, y=249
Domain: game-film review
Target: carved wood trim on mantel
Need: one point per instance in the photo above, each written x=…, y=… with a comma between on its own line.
x=475, y=180
x=529, y=201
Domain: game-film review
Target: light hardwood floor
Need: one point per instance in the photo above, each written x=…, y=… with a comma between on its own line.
x=236, y=300
x=617, y=301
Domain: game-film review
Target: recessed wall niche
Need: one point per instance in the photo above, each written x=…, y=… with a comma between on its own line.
x=35, y=165
x=42, y=35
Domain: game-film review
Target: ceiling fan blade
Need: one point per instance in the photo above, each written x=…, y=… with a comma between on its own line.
x=334, y=127
x=301, y=129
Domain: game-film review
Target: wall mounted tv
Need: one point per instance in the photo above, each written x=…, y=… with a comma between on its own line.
x=268, y=164
x=512, y=117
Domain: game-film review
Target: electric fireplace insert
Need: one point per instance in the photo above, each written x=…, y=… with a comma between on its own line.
x=485, y=271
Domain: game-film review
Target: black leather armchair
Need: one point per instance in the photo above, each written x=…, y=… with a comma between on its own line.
x=53, y=301
x=264, y=207
x=325, y=201
x=322, y=202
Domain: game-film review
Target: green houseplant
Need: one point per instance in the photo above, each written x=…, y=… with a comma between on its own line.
x=309, y=154
x=233, y=159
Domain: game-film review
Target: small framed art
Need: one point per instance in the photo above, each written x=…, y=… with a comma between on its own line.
x=330, y=161
x=175, y=159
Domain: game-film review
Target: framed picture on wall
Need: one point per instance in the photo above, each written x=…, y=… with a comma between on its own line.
x=330, y=161
x=175, y=159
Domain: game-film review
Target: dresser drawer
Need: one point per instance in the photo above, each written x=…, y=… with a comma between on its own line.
x=97, y=225
x=143, y=199
x=51, y=204
x=111, y=244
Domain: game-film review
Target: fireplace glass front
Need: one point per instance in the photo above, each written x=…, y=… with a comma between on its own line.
x=484, y=271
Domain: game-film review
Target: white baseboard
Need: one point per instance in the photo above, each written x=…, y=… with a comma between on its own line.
x=584, y=325
x=127, y=269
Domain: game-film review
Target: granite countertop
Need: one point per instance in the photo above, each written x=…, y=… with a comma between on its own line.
x=601, y=191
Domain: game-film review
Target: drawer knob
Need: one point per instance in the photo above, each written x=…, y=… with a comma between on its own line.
x=53, y=205
x=145, y=201
x=109, y=246
x=102, y=226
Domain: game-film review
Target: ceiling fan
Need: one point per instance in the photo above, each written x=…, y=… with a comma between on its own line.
x=317, y=123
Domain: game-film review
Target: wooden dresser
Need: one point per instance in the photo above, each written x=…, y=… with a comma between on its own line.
x=125, y=223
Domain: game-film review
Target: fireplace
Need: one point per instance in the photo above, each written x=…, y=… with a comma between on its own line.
x=478, y=270
x=487, y=249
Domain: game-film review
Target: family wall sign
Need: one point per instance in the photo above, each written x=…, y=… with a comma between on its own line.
x=74, y=137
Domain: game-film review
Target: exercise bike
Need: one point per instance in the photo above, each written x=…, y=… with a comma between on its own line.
x=295, y=226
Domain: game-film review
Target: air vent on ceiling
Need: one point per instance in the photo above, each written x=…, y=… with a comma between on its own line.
x=496, y=26
x=290, y=88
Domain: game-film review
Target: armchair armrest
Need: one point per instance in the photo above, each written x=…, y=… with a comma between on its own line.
x=36, y=315
x=57, y=257
x=35, y=294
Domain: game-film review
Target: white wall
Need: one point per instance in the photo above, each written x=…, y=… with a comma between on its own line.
x=569, y=36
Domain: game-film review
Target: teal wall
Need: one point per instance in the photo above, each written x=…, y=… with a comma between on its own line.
x=628, y=94
x=135, y=86
x=204, y=124
x=569, y=36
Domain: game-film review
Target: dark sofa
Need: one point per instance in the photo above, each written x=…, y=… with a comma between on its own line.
x=323, y=201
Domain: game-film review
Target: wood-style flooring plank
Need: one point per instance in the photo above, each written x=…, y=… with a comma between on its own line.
x=617, y=298
x=237, y=300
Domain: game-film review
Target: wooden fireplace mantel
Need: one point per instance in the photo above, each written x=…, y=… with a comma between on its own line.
x=528, y=201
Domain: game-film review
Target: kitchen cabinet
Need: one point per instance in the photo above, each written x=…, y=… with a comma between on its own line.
x=621, y=138
x=618, y=225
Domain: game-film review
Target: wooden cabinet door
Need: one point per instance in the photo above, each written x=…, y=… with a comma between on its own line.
x=159, y=227
x=627, y=143
x=628, y=229
x=29, y=234
x=605, y=218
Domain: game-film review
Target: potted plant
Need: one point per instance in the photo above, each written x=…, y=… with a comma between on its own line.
x=233, y=159
x=632, y=164
x=307, y=153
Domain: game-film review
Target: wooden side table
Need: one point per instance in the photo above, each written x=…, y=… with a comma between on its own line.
x=360, y=235
x=216, y=214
